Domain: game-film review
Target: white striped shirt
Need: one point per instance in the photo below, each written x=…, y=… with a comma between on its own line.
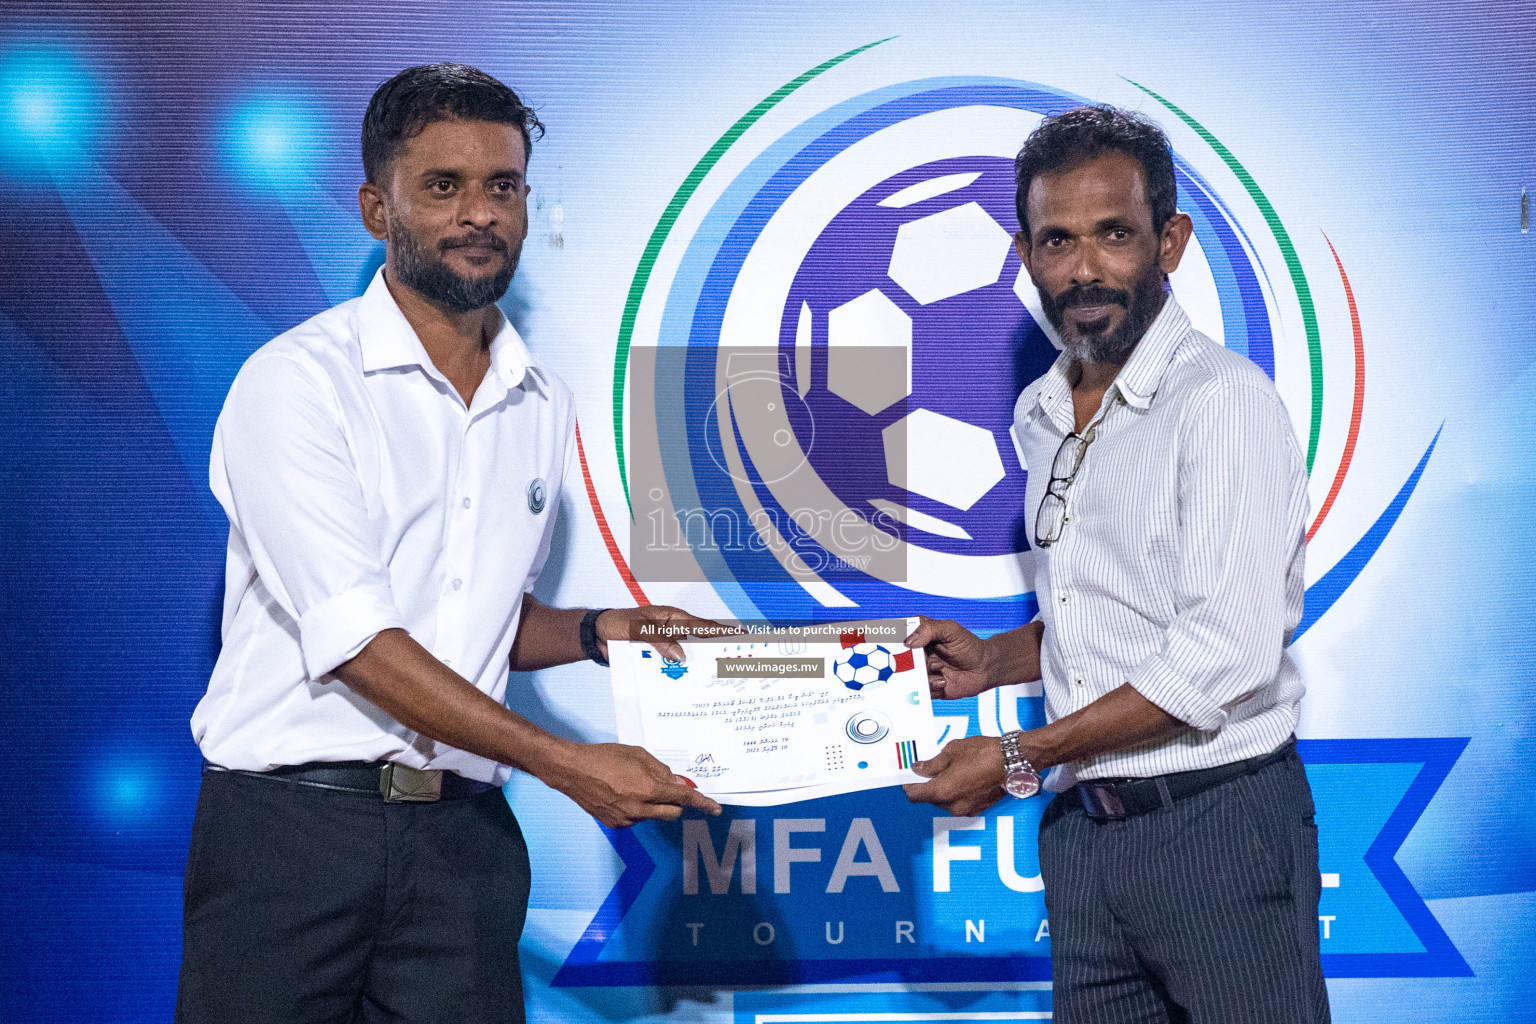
x=1179, y=569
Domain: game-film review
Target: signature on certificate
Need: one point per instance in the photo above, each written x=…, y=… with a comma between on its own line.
x=705, y=767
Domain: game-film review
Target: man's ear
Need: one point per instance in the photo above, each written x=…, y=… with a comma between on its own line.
x=372, y=205
x=1170, y=245
x=1022, y=247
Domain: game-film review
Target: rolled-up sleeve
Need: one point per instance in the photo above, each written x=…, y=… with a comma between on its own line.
x=286, y=476
x=1242, y=517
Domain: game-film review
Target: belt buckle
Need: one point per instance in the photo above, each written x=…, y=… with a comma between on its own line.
x=401, y=785
x=1102, y=802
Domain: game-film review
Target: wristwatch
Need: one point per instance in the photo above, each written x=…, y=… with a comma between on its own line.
x=589, y=645
x=1020, y=778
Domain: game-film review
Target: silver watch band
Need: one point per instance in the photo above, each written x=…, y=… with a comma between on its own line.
x=1013, y=759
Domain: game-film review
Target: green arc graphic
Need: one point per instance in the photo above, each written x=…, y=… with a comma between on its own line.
x=664, y=227
x=1292, y=264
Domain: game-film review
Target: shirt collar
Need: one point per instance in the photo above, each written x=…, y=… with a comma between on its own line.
x=388, y=342
x=512, y=362
x=1056, y=389
x=1139, y=379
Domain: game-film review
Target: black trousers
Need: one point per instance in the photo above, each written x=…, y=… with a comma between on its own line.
x=1205, y=912
x=312, y=905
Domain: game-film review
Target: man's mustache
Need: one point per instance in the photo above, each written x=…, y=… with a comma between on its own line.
x=1092, y=295
x=484, y=238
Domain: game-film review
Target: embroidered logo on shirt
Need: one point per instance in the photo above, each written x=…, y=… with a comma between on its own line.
x=536, y=496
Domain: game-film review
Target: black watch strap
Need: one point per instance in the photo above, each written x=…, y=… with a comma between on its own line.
x=589, y=644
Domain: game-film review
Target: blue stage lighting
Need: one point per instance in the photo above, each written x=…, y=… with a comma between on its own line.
x=273, y=139
x=49, y=103
x=126, y=792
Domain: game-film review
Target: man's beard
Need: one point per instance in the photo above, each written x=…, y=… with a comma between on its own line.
x=426, y=272
x=1142, y=305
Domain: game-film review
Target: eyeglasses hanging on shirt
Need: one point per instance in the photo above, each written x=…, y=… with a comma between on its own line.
x=1052, y=516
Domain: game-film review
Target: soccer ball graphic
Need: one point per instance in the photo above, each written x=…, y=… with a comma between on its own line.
x=872, y=328
x=918, y=311
x=863, y=665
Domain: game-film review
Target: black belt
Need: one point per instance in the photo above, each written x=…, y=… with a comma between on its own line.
x=1118, y=799
x=393, y=783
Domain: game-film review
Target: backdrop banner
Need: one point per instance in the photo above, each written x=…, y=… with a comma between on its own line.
x=771, y=253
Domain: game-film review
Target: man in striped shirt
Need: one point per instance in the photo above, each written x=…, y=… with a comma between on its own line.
x=1167, y=497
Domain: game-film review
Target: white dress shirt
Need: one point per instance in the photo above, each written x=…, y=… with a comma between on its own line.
x=1179, y=569
x=363, y=495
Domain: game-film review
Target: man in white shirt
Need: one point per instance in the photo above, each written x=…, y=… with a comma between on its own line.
x=391, y=470
x=1167, y=496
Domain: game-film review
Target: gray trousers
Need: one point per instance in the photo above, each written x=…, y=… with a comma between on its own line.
x=1203, y=912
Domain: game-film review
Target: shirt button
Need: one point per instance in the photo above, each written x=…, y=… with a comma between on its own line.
x=457, y=584
x=1078, y=680
x=1063, y=598
x=466, y=503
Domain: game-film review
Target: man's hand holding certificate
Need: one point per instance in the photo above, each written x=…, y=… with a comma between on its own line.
x=776, y=716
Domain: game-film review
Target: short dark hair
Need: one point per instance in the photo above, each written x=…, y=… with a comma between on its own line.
x=417, y=97
x=1070, y=139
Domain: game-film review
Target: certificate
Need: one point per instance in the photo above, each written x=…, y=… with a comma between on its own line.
x=776, y=716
